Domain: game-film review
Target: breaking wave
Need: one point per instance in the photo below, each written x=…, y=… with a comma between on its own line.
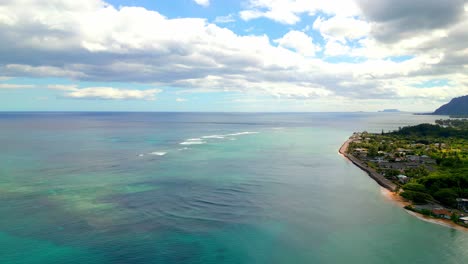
x=158, y=153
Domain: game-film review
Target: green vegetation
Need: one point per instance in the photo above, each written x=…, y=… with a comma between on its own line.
x=417, y=197
x=455, y=123
x=429, y=131
x=434, y=159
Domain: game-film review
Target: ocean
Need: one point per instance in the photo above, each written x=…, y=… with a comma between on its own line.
x=203, y=188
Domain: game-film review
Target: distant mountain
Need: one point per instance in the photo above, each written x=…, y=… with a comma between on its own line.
x=390, y=111
x=457, y=106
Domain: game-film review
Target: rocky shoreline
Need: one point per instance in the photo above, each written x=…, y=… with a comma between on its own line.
x=380, y=179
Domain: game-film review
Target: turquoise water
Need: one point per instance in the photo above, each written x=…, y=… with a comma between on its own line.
x=121, y=188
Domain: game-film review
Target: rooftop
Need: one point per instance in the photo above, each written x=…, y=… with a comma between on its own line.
x=441, y=212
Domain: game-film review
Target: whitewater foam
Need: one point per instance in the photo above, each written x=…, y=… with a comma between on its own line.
x=158, y=153
x=214, y=136
x=193, y=142
x=229, y=135
x=199, y=141
x=242, y=133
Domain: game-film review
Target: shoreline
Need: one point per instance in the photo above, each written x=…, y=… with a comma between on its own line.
x=381, y=180
x=391, y=194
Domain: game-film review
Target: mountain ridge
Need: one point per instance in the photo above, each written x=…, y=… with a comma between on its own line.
x=456, y=106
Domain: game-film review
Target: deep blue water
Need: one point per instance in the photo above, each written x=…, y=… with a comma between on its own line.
x=202, y=188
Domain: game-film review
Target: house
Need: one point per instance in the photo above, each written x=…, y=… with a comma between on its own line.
x=442, y=213
x=392, y=165
x=413, y=158
x=427, y=160
x=464, y=219
x=462, y=204
x=361, y=151
x=378, y=160
x=402, y=150
x=403, y=178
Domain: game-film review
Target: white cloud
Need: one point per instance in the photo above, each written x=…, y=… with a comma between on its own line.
x=289, y=11
x=298, y=41
x=42, y=71
x=204, y=3
x=15, y=86
x=112, y=94
x=106, y=93
x=90, y=40
x=342, y=28
x=336, y=48
x=339, y=32
x=224, y=19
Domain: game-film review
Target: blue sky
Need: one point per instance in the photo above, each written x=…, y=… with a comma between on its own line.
x=250, y=55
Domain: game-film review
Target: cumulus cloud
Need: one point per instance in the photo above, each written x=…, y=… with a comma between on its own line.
x=204, y=3
x=289, y=11
x=112, y=94
x=339, y=31
x=224, y=19
x=396, y=19
x=298, y=41
x=15, y=86
x=42, y=71
x=92, y=40
x=130, y=44
x=106, y=93
x=342, y=28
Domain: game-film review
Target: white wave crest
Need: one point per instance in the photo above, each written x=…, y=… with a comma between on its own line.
x=242, y=133
x=193, y=142
x=158, y=153
x=214, y=136
x=199, y=141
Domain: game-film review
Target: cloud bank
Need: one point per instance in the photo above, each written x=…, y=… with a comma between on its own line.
x=389, y=46
x=106, y=93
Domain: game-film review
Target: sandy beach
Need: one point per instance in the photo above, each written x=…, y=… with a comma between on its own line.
x=438, y=221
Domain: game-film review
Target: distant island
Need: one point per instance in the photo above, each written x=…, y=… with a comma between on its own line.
x=427, y=165
x=456, y=107
x=390, y=111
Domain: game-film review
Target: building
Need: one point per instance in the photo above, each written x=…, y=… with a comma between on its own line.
x=462, y=204
x=427, y=160
x=464, y=219
x=413, y=158
x=403, y=178
x=360, y=150
x=442, y=213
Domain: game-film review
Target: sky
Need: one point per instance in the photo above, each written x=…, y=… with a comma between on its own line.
x=232, y=56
